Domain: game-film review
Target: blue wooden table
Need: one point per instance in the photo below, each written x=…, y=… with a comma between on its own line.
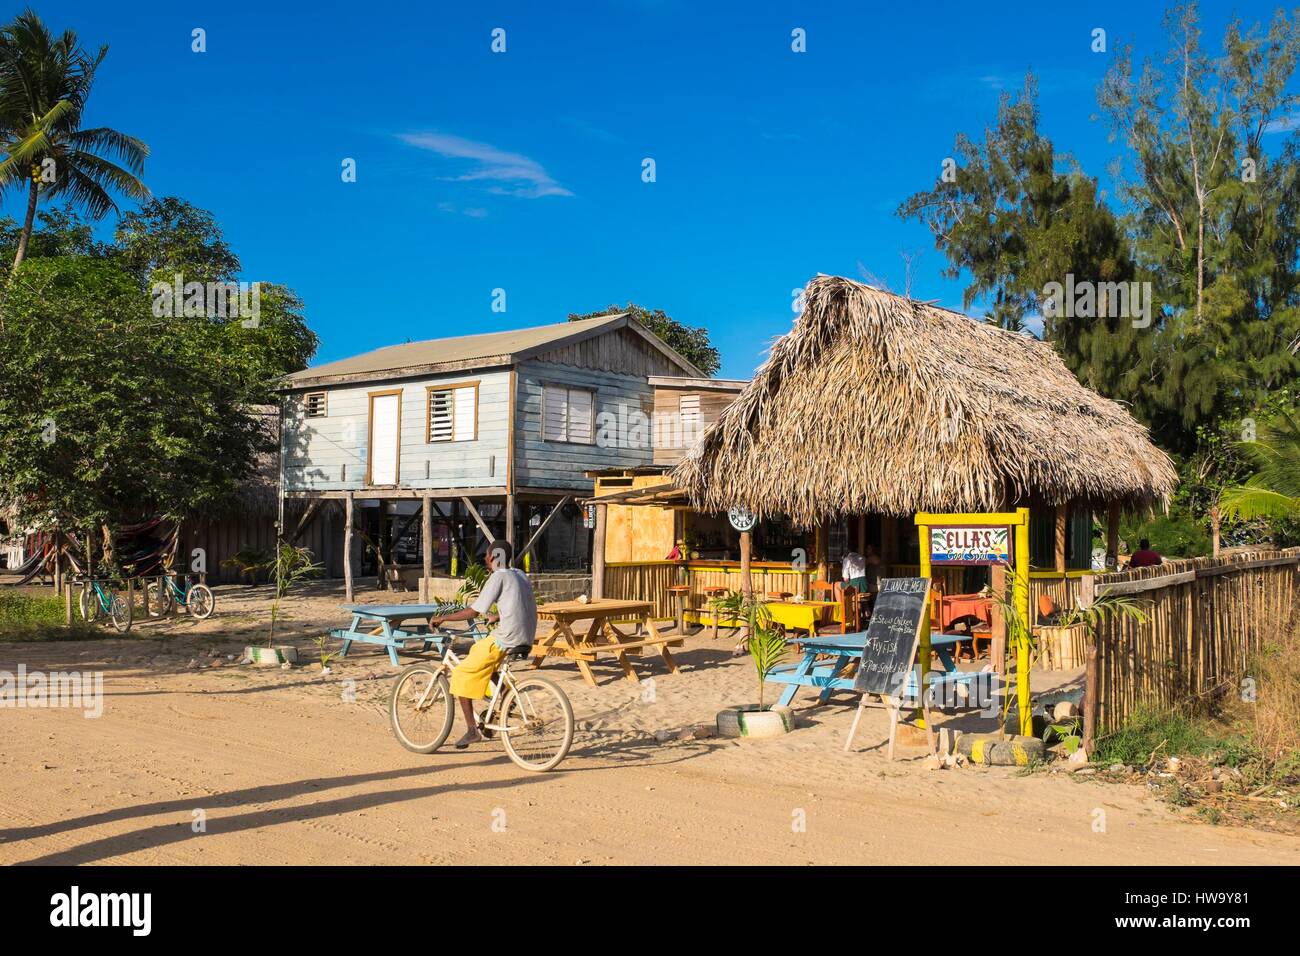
x=382, y=624
x=843, y=648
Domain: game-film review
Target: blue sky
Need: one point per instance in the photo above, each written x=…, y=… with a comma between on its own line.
x=522, y=170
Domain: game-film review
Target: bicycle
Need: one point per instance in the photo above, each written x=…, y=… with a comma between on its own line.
x=532, y=715
x=195, y=598
x=98, y=597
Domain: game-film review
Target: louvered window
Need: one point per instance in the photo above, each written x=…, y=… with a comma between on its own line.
x=315, y=404
x=568, y=414
x=453, y=413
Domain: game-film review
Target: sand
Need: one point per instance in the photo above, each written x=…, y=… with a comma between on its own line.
x=244, y=765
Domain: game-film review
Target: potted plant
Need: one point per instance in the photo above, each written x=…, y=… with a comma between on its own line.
x=290, y=567
x=767, y=647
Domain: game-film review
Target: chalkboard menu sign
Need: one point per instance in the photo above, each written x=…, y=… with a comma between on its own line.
x=892, y=636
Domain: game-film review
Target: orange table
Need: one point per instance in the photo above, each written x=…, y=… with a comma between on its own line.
x=954, y=607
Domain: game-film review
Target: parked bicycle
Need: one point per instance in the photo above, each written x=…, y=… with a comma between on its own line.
x=100, y=597
x=532, y=715
x=195, y=598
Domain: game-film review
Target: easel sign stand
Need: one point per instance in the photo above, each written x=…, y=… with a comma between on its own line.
x=982, y=540
x=889, y=657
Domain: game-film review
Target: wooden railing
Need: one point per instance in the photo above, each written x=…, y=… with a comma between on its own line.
x=650, y=580
x=1206, y=618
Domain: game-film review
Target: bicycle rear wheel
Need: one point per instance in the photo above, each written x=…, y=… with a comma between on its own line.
x=537, y=724
x=121, y=612
x=420, y=709
x=200, y=601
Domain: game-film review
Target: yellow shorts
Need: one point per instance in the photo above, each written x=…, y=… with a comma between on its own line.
x=471, y=677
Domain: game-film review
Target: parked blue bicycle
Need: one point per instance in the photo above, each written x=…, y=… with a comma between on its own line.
x=100, y=597
x=195, y=598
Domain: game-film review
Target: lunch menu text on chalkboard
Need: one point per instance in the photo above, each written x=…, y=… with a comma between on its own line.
x=891, y=636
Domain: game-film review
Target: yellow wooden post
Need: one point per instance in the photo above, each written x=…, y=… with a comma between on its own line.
x=1019, y=522
x=924, y=651
x=1020, y=590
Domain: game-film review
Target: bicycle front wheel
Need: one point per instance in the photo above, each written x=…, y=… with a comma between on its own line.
x=121, y=612
x=538, y=725
x=200, y=602
x=420, y=709
x=89, y=603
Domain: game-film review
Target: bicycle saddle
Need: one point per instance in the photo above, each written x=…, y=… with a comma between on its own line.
x=520, y=653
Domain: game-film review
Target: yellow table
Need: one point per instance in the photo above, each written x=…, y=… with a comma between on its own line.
x=804, y=615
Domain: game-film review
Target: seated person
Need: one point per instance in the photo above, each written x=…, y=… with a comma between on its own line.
x=510, y=590
x=1144, y=557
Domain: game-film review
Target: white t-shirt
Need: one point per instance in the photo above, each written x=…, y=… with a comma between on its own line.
x=510, y=590
x=853, y=566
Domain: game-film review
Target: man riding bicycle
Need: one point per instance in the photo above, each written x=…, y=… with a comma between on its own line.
x=509, y=589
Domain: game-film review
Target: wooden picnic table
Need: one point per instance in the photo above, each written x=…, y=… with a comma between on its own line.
x=601, y=635
x=380, y=624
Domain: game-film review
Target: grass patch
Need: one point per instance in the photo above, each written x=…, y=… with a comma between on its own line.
x=28, y=617
x=1154, y=734
x=1226, y=772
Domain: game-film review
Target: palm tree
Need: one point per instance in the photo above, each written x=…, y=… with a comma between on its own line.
x=44, y=83
x=1273, y=491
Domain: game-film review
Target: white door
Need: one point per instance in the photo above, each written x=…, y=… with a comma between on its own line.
x=385, y=431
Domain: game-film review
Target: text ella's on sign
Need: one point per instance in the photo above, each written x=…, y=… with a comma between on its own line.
x=970, y=544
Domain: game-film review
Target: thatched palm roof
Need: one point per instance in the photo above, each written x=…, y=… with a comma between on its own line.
x=874, y=403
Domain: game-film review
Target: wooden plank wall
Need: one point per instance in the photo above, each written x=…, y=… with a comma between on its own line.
x=551, y=464
x=222, y=539
x=622, y=351
x=1206, y=618
x=329, y=454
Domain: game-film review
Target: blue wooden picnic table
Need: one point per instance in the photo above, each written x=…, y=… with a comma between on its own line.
x=382, y=624
x=843, y=648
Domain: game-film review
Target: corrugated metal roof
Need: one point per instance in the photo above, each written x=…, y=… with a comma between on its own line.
x=465, y=348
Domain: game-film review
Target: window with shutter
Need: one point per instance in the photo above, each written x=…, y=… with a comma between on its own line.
x=315, y=404
x=580, y=424
x=555, y=413
x=453, y=413
x=688, y=411
x=568, y=414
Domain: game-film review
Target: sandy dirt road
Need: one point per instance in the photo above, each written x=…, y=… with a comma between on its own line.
x=296, y=767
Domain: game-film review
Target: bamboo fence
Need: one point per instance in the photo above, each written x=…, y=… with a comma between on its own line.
x=1205, y=618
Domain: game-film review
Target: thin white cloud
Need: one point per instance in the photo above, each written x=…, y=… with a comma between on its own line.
x=508, y=174
x=1283, y=124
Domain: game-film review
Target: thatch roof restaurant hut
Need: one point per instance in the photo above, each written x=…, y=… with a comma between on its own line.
x=875, y=407
x=874, y=403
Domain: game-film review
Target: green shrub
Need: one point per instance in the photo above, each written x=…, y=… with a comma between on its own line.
x=1175, y=535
